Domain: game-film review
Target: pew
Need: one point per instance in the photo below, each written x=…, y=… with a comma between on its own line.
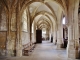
x=28, y=48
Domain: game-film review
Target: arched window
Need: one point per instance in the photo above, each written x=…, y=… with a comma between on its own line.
x=33, y=27
x=63, y=21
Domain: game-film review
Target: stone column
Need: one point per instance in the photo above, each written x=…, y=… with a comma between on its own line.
x=70, y=46
x=34, y=32
x=73, y=43
x=60, y=36
x=47, y=34
x=8, y=49
x=18, y=39
x=50, y=35
x=73, y=36
x=29, y=25
x=54, y=36
x=59, y=29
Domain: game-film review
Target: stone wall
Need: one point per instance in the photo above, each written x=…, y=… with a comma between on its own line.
x=25, y=38
x=2, y=40
x=79, y=24
x=3, y=30
x=33, y=38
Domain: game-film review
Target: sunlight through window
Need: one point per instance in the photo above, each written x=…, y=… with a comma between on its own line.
x=63, y=21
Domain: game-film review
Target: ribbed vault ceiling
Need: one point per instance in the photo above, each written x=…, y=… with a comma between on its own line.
x=47, y=10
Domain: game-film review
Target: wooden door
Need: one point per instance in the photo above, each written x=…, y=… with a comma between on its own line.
x=38, y=36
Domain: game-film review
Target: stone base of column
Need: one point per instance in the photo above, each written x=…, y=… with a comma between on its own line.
x=9, y=52
x=54, y=42
x=19, y=53
x=74, y=54
x=59, y=46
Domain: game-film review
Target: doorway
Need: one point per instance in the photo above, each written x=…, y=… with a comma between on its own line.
x=38, y=36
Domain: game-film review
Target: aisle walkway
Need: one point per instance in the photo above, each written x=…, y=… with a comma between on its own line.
x=44, y=51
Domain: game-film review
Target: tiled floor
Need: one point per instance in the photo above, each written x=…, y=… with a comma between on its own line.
x=44, y=51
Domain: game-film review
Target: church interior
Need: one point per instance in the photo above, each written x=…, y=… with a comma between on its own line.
x=39, y=29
